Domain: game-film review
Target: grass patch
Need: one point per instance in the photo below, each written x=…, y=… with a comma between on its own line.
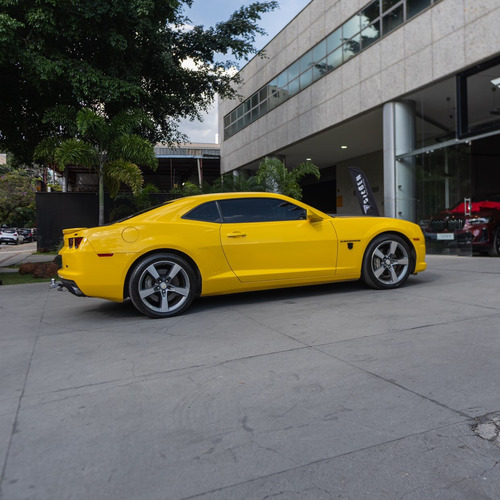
x=21, y=279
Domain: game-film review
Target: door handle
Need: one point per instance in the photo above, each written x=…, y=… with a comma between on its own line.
x=236, y=234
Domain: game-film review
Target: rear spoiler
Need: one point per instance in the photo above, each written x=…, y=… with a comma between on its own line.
x=73, y=230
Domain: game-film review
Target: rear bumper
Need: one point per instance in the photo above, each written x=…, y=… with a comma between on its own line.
x=72, y=287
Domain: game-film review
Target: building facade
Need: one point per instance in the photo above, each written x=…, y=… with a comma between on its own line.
x=407, y=90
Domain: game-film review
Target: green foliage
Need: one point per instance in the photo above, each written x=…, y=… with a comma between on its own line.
x=22, y=217
x=110, y=55
x=16, y=192
x=110, y=147
x=275, y=177
x=128, y=204
x=187, y=189
x=20, y=279
x=230, y=182
x=272, y=175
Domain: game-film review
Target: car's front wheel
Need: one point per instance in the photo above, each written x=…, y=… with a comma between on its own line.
x=494, y=251
x=387, y=262
x=162, y=285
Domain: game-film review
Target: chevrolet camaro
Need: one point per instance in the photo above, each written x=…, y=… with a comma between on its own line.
x=223, y=243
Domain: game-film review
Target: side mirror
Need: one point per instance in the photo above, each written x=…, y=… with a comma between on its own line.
x=313, y=216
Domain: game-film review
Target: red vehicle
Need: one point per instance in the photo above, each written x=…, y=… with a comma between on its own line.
x=474, y=222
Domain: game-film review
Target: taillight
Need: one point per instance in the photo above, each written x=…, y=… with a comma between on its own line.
x=76, y=242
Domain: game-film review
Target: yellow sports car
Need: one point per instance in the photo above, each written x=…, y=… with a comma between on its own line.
x=233, y=242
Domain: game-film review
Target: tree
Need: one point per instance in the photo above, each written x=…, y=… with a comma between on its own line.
x=110, y=55
x=108, y=146
x=16, y=192
x=230, y=182
x=275, y=177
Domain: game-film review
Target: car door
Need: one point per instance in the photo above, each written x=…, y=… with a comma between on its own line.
x=267, y=239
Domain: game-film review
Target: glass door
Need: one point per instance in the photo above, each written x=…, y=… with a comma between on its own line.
x=443, y=194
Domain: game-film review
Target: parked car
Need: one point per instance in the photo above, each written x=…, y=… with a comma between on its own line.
x=10, y=235
x=233, y=242
x=29, y=234
x=475, y=223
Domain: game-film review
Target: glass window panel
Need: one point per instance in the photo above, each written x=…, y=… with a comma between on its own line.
x=272, y=88
x=370, y=34
x=255, y=114
x=293, y=71
x=271, y=103
x=393, y=19
x=352, y=47
x=387, y=4
x=335, y=59
x=208, y=212
x=293, y=87
x=305, y=79
x=263, y=94
x=319, y=52
x=306, y=61
x=351, y=27
x=282, y=79
x=239, y=111
x=263, y=108
x=281, y=96
x=320, y=69
x=260, y=210
x=371, y=13
x=413, y=7
x=233, y=116
x=334, y=40
x=255, y=100
x=246, y=106
x=227, y=120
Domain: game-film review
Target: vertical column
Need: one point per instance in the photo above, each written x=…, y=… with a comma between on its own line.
x=199, y=163
x=399, y=176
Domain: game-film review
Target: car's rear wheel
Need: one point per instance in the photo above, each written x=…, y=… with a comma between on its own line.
x=387, y=262
x=162, y=285
x=494, y=251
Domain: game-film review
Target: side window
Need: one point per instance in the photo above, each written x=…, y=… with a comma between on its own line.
x=259, y=210
x=208, y=212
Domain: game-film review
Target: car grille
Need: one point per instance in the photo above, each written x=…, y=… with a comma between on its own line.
x=450, y=224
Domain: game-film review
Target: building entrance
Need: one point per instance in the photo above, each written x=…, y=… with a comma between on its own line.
x=458, y=197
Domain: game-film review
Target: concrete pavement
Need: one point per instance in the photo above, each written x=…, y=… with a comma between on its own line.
x=15, y=255
x=323, y=392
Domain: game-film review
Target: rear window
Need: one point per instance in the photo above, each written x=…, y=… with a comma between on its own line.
x=207, y=212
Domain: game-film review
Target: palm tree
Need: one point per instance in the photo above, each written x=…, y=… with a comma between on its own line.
x=111, y=148
x=275, y=177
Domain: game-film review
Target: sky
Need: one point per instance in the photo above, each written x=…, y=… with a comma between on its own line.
x=209, y=13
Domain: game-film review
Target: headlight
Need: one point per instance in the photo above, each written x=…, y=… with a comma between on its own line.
x=479, y=220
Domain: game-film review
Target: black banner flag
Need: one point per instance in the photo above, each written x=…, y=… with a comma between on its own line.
x=364, y=191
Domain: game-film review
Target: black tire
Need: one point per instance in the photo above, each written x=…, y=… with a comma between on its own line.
x=162, y=285
x=387, y=262
x=494, y=251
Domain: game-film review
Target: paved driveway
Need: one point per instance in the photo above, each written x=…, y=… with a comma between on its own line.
x=326, y=392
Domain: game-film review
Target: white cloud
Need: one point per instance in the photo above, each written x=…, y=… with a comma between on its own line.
x=202, y=131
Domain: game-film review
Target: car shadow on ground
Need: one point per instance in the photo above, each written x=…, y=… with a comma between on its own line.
x=219, y=302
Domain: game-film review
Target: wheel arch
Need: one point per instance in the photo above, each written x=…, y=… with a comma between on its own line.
x=158, y=251
x=404, y=238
